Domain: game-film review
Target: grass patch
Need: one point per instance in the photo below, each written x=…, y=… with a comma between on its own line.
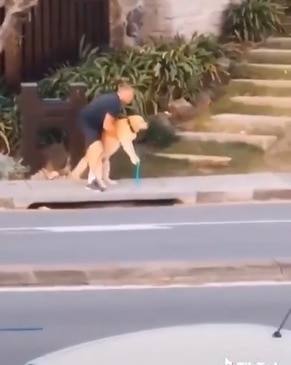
x=244, y=159
x=196, y=124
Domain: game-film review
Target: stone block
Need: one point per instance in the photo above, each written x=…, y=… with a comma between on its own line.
x=126, y=21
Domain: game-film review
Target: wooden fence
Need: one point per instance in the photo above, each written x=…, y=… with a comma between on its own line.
x=38, y=114
x=51, y=36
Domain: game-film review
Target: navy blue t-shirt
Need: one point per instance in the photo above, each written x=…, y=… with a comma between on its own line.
x=94, y=113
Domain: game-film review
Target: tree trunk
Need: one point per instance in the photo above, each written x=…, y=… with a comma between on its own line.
x=12, y=9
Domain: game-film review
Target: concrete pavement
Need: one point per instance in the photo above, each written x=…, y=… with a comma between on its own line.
x=261, y=232
x=126, y=246
x=69, y=318
x=198, y=189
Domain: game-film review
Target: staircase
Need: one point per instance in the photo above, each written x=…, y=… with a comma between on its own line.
x=286, y=18
x=256, y=108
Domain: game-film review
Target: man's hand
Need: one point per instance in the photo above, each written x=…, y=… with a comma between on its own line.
x=108, y=124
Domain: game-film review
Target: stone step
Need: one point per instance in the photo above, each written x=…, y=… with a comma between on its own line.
x=230, y=106
x=199, y=160
x=258, y=87
x=270, y=56
x=283, y=5
x=249, y=124
x=282, y=18
x=282, y=2
x=287, y=27
x=278, y=42
x=268, y=101
x=285, y=84
x=261, y=71
x=259, y=141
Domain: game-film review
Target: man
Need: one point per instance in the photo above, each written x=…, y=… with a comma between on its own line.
x=101, y=113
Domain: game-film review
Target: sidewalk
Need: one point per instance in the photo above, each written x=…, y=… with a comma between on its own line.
x=201, y=189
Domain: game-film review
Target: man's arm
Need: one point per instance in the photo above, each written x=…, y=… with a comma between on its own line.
x=109, y=121
x=112, y=116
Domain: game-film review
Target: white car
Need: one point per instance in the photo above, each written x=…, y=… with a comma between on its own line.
x=205, y=344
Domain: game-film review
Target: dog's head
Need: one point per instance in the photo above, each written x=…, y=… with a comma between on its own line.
x=137, y=123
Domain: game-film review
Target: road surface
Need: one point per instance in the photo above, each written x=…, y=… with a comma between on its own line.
x=68, y=318
x=218, y=232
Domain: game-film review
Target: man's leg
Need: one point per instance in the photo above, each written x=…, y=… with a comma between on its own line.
x=106, y=172
x=93, y=157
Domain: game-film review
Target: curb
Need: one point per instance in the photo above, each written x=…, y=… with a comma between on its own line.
x=243, y=196
x=155, y=274
x=200, y=197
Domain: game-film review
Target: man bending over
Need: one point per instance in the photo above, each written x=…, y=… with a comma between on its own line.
x=101, y=113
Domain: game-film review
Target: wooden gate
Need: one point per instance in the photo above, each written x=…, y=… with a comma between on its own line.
x=52, y=35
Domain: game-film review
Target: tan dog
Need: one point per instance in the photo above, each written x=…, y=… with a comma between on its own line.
x=123, y=134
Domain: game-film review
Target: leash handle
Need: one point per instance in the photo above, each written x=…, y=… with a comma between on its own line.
x=137, y=173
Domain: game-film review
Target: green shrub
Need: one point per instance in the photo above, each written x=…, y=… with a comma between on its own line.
x=11, y=169
x=160, y=133
x=251, y=20
x=9, y=123
x=160, y=71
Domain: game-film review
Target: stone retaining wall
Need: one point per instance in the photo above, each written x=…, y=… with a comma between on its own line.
x=132, y=20
x=126, y=22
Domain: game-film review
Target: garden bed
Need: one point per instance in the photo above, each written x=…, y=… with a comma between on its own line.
x=244, y=159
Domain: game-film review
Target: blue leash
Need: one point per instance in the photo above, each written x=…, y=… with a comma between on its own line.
x=137, y=174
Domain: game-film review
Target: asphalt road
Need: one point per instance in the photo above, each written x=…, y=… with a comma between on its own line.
x=218, y=232
x=69, y=318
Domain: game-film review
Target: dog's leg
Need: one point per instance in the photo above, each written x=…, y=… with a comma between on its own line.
x=128, y=148
x=110, y=147
x=106, y=172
